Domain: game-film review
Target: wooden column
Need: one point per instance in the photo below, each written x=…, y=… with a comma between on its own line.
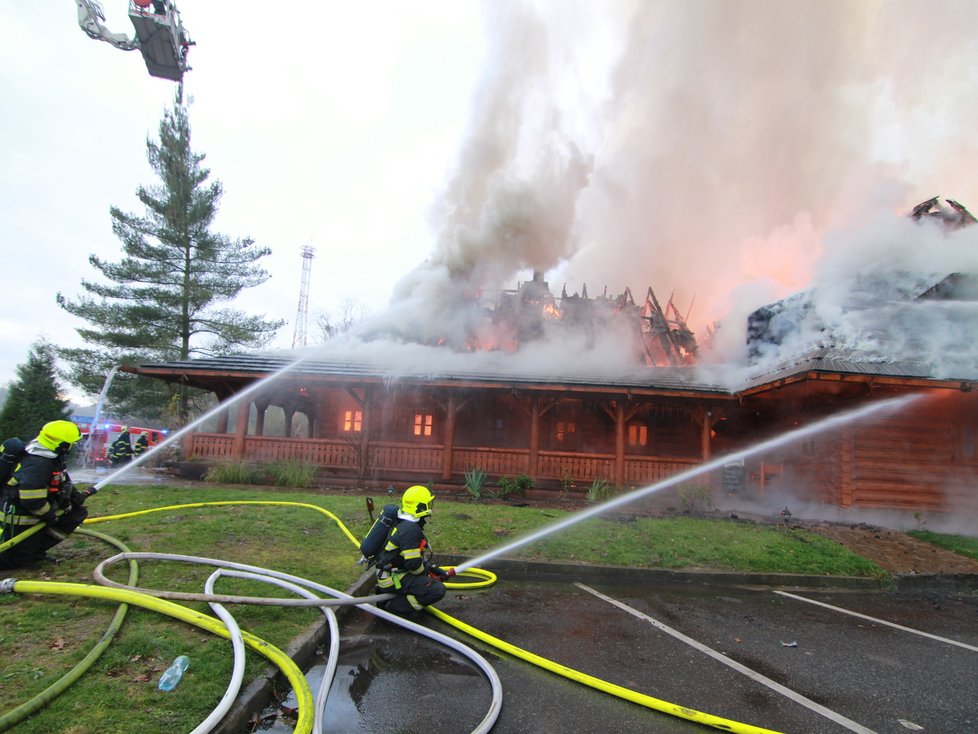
x=449, y=439
x=619, y=478
x=241, y=429
x=534, y=457
x=289, y=415
x=706, y=428
x=260, y=409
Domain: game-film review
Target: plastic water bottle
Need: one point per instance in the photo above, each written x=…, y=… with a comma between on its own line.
x=172, y=675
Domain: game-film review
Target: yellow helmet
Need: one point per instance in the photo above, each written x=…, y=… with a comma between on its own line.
x=417, y=501
x=56, y=433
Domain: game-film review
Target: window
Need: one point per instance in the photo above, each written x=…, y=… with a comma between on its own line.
x=565, y=431
x=422, y=424
x=638, y=434
x=352, y=421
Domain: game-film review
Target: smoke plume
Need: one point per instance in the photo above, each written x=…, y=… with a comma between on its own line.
x=729, y=153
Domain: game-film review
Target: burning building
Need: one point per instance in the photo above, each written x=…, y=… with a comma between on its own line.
x=534, y=389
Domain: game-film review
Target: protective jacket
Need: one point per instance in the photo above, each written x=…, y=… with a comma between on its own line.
x=403, y=568
x=39, y=491
x=38, y=487
x=142, y=444
x=121, y=449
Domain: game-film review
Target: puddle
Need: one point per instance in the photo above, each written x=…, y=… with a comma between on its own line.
x=393, y=680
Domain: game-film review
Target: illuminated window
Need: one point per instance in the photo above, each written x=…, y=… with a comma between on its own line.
x=352, y=421
x=422, y=424
x=638, y=435
x=565, y=431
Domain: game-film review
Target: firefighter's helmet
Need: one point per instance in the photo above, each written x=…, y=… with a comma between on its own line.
x=417, y=501
x=59, y=436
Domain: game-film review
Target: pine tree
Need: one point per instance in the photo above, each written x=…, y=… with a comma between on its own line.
x=164, y=300
x=35, y=397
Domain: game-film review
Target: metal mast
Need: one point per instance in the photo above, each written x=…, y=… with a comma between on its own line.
x=302, y=316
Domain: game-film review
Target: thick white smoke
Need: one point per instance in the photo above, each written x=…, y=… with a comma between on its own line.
x=731, y=153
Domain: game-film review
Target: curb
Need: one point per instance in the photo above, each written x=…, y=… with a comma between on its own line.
x=519, y=570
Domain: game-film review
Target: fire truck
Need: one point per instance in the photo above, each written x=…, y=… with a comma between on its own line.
x=95, y=442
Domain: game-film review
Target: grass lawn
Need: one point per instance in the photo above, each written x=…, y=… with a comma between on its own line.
x=44, y=636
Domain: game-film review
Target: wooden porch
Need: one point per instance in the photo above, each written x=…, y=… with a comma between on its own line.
x=389, y=461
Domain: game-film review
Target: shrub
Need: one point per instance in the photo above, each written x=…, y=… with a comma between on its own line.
x=291, y=473
x=691, y=496
x=518, y=486
x=600, y=490
x=475, y=480
x=233, y=472
x=566, y=481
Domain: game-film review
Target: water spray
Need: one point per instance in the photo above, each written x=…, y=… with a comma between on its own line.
x=90, y=447
x=791, y=436
x=234, y=400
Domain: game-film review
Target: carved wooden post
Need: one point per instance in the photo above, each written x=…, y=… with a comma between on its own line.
x=241, y=429
x=534, y=457
x=449, y=439
x=706, y=428
x=619, y=478
x=260, y=418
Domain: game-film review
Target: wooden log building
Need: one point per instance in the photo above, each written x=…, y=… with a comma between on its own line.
x=366, y=424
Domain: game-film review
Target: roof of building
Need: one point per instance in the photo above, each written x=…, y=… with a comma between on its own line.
x=455, y=368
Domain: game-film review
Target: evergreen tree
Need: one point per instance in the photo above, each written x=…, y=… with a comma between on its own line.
x=164, y=300
x=34, y=398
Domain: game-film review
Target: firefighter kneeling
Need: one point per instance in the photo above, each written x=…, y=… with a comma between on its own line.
x=40, y=491
x=404, y=566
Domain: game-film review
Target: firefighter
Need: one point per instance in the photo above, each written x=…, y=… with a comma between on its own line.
x=404, y=566
x=142, y=444
x=40, y=491
x=120, y=451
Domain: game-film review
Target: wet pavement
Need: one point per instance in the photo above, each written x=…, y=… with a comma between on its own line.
x=743, y=653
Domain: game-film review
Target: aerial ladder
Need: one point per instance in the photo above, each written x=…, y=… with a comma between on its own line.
x=160, y=36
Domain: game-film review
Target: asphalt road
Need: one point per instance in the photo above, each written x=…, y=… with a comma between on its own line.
x=747, y=654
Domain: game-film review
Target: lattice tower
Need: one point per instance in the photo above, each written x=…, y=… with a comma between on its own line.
x=302, y=315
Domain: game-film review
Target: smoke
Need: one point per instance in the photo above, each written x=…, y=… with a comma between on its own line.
x=727, y=153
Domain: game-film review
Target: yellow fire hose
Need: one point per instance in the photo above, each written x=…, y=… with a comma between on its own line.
x=284, y=663
x=487, y=579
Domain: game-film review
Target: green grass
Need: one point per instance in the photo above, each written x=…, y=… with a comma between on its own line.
x=42, y=637
x=961, y=544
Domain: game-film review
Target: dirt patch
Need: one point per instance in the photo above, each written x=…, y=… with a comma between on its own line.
x=895, y=551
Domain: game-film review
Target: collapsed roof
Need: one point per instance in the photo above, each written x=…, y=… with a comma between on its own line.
x=922, y=320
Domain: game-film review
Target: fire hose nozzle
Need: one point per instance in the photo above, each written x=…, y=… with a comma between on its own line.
x=450, y=572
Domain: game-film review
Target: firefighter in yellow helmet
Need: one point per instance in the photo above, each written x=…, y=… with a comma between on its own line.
x=404, y=567
x=40, y=491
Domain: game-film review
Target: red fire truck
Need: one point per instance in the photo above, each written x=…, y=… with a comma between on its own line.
x=94, y=443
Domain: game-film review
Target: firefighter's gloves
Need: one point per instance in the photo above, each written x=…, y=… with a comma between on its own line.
x=437, y=572
x=78, y=498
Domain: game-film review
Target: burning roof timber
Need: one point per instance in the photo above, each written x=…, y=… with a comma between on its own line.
x=513, y=319
x=919, y=322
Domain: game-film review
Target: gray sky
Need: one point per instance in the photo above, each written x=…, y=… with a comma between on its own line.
x=714, y=150
x=329, y=124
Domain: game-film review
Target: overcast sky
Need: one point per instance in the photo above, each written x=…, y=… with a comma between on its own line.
x=329, y=124
x=709, y=149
